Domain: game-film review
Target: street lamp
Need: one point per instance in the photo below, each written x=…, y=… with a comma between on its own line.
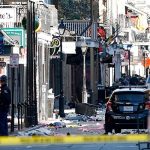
x=84, y=91
x=120, y=46
x=61, y=29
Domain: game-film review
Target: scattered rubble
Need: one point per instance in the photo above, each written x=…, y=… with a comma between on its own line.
x=74, y=124
x=42, y=131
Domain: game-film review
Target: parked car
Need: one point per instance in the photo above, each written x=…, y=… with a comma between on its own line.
x=127, y=108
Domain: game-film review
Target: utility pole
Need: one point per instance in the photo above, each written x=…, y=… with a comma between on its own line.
x=61, y=29
x=61, y=97
x=92, y=57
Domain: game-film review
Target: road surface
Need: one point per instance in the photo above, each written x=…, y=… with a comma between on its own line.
x=95, y=146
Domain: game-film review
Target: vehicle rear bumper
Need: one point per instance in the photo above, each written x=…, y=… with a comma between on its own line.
x=131, y=124
x=128, y=121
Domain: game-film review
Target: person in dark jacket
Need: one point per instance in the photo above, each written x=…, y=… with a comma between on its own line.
x=5, y=101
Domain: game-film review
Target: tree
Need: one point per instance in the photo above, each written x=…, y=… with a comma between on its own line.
x=76, y=9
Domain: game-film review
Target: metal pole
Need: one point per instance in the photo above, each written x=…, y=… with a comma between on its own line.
x=18, y=108
x=99, y=77
x=144, y=64
x=129, y=64
x=21, y=112
x=84, y=92
x=31, y=114
x=27, y=110
x=92, y=101
x=34, y=68
x=12, y=100
x=61, y=97
x=114, y=67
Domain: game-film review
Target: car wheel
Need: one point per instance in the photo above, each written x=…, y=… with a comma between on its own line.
x=108, y=128
x=117, y=130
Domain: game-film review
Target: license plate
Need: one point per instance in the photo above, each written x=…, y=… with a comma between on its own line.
x=128, y=108
x=118, y=117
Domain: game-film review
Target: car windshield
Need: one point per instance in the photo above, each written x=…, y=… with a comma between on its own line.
x=129, y=97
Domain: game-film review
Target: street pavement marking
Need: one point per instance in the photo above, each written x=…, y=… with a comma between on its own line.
x=73, y=139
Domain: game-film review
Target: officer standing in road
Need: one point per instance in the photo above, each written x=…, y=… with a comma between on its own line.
x=5, y=101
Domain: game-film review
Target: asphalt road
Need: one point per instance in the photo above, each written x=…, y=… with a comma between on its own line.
x=74, y=128
x=95, y=146
x=86, y=128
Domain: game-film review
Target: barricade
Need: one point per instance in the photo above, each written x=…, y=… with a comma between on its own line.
x=73, y=139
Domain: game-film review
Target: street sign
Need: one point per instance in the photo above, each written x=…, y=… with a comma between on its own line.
x=69, y=47
x=17, y=34
x=14, y=60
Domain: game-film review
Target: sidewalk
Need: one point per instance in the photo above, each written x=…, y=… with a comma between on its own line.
x=41, y=123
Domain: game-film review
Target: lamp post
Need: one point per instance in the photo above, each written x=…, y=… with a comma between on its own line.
x=84, y=91
x=31, y=99
x=120, y=45
x=61, y=29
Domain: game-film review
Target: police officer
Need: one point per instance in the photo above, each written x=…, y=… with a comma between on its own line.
x=5, y=100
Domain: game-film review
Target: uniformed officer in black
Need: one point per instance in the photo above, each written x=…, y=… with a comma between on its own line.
x=5, y=100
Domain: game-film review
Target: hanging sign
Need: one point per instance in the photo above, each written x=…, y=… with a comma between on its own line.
x=55, y=43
